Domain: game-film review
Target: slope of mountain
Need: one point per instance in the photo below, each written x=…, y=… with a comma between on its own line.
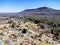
x=37, y=11
x=40, y=11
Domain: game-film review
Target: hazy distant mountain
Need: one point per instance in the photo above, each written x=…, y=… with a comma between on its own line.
x=37, y=11
x=7, y=14
x=40, y=11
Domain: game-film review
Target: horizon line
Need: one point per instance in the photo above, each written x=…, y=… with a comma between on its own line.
x=28, y=8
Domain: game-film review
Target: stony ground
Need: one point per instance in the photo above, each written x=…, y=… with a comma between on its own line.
x=12, y=33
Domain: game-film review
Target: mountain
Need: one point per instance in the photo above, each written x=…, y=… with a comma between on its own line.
x=39, y=11
x=36, y=11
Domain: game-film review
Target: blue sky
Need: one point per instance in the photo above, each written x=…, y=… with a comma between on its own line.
x=7, y=6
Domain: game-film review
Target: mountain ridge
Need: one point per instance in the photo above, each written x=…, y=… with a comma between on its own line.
x=36, y=11
x=40, y=11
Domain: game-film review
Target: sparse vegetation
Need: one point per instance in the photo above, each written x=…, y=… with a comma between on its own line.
x=24, y=31
x=13, y=25
x=10, y=21
x=56, y=32
x=31, y=29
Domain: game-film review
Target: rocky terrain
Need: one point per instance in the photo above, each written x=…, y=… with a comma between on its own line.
x=29, y=30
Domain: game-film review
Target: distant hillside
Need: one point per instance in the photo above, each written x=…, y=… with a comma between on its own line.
x=37, y=11
x=7, y=14
x=40, y=11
